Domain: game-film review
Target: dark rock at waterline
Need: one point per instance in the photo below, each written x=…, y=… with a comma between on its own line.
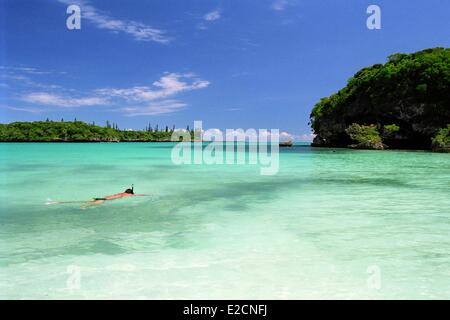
x=286, y=144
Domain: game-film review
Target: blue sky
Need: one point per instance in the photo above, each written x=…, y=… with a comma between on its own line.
x=232, y=64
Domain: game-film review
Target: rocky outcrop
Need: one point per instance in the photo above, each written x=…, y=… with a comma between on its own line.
x=407, y=99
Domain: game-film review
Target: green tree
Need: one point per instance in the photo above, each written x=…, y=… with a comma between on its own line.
x=410, y=90
x=367, y=137
x=441, y=141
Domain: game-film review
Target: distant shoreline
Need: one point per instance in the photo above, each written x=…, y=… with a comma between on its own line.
x=137, y=141
x=295, y=145
x=81, y=141
x=78, y=131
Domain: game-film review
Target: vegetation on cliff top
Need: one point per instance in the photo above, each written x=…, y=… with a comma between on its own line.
x=408, y=98
x=48, y=131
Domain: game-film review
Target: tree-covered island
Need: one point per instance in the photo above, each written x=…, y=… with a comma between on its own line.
x=402, y=104
x=78, y=131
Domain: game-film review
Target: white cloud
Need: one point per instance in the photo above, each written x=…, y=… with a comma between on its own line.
x=168, y=85
x=13, y=75
x=139, y=31
x=279, y=5
x=213, y=134
x=154, y=99
x=285, y=136
x=61, y=100
x=202, y=26
x=212, y=16
x=22, y=109
x=306, y=137
x=209, y=18
x=27, y=70
x=156, y=108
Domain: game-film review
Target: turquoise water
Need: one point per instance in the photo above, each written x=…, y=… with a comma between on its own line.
x=331, y=224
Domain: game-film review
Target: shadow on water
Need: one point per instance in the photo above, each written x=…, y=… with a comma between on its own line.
x=26, y=167
x=91, y=168
x=169, y=214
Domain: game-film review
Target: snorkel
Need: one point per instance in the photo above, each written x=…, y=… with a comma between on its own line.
x=130, y=191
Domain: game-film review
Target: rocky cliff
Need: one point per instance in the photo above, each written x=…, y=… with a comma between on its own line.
x=407, y=99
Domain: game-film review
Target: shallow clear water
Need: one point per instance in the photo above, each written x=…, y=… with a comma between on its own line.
x=331, y=224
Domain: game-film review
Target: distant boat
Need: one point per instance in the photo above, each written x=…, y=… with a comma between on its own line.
x=286, y=144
